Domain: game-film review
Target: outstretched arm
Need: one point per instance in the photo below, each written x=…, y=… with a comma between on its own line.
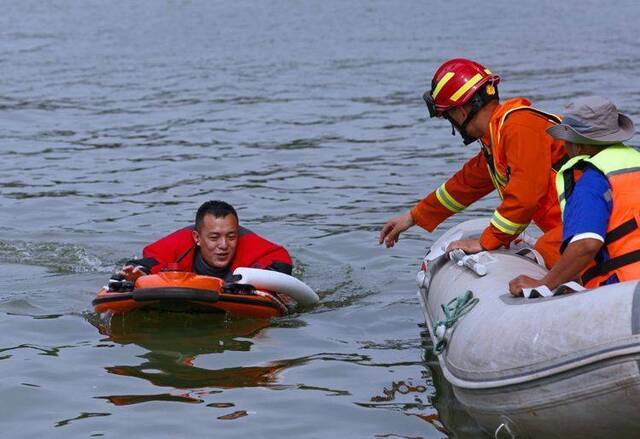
x=574, y=259
x=465, y=187
x=469, y=184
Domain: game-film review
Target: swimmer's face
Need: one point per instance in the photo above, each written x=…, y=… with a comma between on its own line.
x=217, y=239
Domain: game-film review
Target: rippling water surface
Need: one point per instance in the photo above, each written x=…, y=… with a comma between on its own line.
x=118, y=119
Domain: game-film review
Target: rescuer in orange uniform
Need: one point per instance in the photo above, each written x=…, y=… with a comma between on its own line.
x=517, y=158
x=599, y=197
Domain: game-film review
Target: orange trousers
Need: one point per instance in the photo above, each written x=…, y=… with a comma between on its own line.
x=548, y=245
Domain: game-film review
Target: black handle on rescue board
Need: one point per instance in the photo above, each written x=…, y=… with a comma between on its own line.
x=174, y=293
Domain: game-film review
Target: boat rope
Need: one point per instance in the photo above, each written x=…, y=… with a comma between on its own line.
x=453, y=310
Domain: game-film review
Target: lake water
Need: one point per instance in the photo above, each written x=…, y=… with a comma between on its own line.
x=118, y=119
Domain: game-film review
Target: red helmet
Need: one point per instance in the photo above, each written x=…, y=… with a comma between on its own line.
x=456, y=82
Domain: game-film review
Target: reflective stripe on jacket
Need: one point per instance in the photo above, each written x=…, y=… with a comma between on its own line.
x=517, y=159
x=620, y=164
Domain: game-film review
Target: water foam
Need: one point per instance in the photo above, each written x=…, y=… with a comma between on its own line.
x=58, y=257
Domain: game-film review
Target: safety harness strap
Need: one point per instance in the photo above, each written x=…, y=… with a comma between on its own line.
x=560, y=163
x=569, y=179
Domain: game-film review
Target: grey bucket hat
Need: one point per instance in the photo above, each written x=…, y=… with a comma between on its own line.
x=593, y=120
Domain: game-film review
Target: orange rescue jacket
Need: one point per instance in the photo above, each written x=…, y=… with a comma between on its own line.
x=518, y=159
x=620, y=164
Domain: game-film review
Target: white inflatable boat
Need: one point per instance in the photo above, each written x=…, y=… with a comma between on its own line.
x=549, y=366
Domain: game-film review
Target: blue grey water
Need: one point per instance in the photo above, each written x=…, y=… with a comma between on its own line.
x=117, y=119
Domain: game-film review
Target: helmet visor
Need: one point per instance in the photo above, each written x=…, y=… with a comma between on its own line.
x=431, y=105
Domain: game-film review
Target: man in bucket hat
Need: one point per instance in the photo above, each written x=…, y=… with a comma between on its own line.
x=601, y=211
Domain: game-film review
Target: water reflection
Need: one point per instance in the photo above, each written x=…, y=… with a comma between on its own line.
x=174, y=341
x=169, y=371
x=186, y=334
x=455, y=420
x=398, y=395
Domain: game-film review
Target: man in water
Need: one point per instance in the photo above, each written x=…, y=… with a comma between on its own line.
x=601, y=239
x=517, y=158
x=215, y=246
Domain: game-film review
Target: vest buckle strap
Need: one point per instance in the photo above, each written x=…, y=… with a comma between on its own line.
x=610, y=265
x=621, y=231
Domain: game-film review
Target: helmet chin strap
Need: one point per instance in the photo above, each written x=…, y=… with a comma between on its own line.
x=462, y=129
x=478, y=101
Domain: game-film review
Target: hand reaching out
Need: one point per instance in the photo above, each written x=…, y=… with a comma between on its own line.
x=390, y=232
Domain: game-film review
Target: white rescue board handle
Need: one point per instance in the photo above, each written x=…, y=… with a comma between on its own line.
x=278, y=283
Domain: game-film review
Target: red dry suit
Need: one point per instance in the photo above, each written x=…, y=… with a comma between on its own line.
x=178, y=249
